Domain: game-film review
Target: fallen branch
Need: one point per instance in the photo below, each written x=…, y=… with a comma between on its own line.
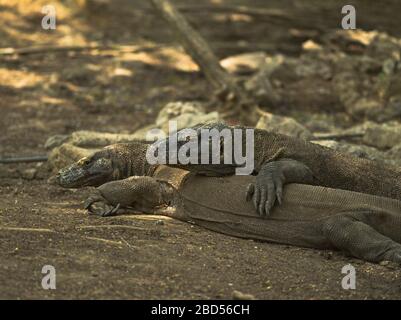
x=224, y=8
x=269, y=14
x=112, y=226
x=134, y=248
x=44, y=49
x=40, y=230
x=236, y=9
x=196, y=46
x=218, y=45
x=337, y=136
x=232, y=95
x=115, y=243
x=246, y=46
x=24, y=159
x=59, y=48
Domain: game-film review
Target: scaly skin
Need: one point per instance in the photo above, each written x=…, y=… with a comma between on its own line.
x=365, y=226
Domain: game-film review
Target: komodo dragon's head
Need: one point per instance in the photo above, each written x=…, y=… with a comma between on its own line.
x=209, y=156
x=114, y=162
x=89, y=171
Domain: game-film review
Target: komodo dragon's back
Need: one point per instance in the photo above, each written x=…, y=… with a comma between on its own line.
x=219, y=203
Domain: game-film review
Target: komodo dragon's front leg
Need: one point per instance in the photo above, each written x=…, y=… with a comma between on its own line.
x=268, y=185
x=367, y=234
x=134, y=194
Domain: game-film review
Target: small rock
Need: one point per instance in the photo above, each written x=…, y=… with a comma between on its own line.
x=394, y=152
x=188, y=120
x=359, y=151
x=370, y=108
x=185, y=114
x=309, y=66
x=55, y=141
x=311, y=45
x=391, y=265
x=383, y=136
x=174, y=109
x=238, y=295
x=65, y=155
x=283, y=125
x=245, y=63
x=29, y=174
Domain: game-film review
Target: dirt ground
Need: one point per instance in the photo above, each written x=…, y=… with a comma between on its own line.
x=138, y=257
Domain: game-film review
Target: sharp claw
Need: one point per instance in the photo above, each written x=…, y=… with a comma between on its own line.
x=250, y=191
x=262, y=201
x=88, y=203
x=279, y=192
x=279, y=198
x=256, y=198
x=92, y=213
x=267, y=208
x=271, y=193
x=111, y=212
x=114, y=211
x=261, y=209
x=106, y=214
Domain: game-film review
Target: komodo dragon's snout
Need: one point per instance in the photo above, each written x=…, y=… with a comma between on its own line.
x=89, y=171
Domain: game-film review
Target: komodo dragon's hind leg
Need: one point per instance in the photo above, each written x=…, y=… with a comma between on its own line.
x=352, y=232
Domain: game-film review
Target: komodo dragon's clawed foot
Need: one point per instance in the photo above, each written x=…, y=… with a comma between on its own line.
x=268, y=186
x=265, y=193
x=97, y=205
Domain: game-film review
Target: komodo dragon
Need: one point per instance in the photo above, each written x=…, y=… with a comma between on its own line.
x=365, y=226
x=278, y=159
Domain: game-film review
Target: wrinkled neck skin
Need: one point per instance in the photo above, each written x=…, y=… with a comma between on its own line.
x=128, y=162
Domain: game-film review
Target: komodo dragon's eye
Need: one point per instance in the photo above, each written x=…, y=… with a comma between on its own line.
x=85, y=161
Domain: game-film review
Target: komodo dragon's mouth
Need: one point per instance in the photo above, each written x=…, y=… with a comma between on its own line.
x=67, y=181
x=76, y=176
x=80, y=178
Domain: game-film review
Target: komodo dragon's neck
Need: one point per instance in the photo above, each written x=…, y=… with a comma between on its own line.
x=131, y=161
